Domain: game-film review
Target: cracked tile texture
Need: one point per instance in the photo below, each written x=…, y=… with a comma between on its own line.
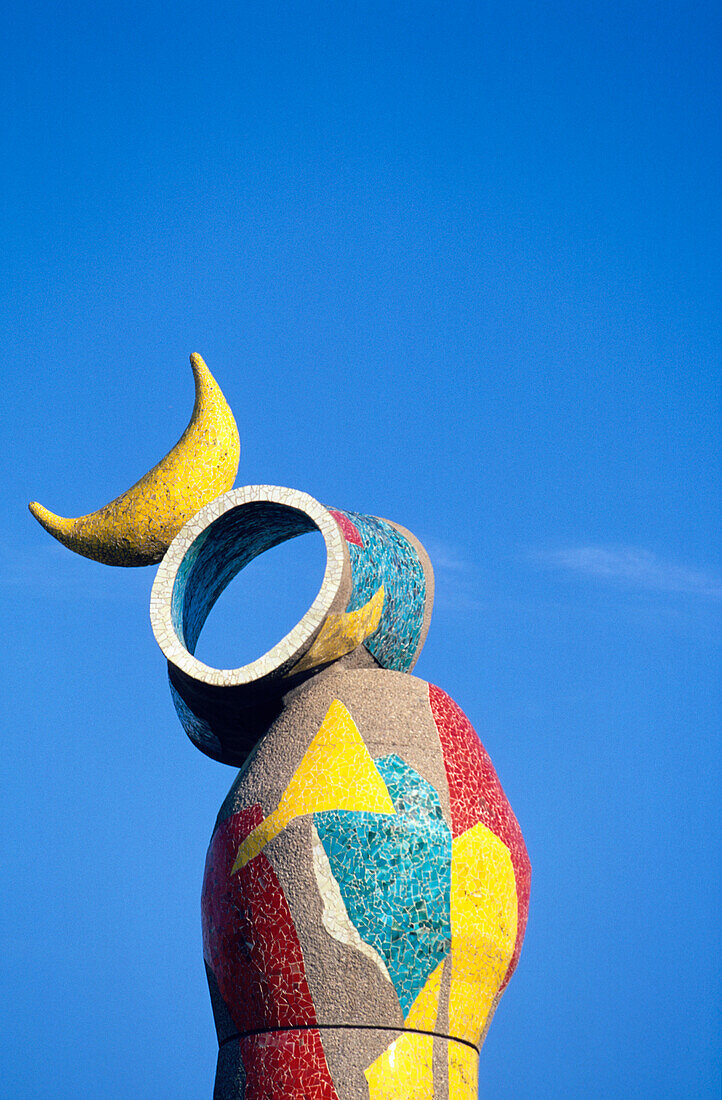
x=367, y=885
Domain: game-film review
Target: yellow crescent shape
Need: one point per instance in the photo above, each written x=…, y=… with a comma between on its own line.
x=138, y=526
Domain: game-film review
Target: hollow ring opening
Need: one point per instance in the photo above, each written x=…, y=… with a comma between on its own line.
x=212, y=548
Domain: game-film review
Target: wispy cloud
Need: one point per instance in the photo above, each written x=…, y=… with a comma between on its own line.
x=633, y=566
x=444, y=556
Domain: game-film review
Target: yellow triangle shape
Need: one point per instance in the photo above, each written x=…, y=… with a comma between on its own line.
x=336, y=773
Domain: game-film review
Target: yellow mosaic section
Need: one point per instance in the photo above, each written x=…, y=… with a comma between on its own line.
x=342, y=632
x=336, y=773
x=483, y=930
x=138, y=526
x=405, y=1070
x=463, y=1072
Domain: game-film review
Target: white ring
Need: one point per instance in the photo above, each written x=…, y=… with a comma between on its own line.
x=294, y=644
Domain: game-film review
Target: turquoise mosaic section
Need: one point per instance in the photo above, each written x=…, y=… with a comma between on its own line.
x=394, y=873
x=388, y=558
x=220, y=552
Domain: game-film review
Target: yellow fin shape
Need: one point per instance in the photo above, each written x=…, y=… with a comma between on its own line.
x=424, y=1010
x=342, y=632
x=405, y=1069
x=336, y=773
x=483, y=930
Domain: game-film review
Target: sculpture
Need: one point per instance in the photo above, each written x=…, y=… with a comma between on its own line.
x=366, y=886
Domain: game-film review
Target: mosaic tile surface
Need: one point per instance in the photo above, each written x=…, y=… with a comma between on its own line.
x=477, y=797
x=249, y=938
x=405, y=1071
x=394, y=874
x=382, y=552
x=342, y=632
x=463, y=1072
x=335, y=917
x=483, y=928
x=409, y=878
x=406, y=1068
x=205, y=556
x=397, y=882
x=350, y=531
x=220, y=552
x=285, y=1064
x=374, y=593
x=336, y=773
x=431, y=902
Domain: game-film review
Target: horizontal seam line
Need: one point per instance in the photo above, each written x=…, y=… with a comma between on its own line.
x=347, y=1027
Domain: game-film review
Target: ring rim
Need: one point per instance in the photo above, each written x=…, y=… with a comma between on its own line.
x=286, y=652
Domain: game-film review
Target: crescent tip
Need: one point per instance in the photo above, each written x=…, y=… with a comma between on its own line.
x=203, y=380
x=57, y=526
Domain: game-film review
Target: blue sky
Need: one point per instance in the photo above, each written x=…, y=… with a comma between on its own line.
x=453, y=264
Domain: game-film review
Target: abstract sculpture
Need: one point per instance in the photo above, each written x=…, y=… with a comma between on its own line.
x=366, y=886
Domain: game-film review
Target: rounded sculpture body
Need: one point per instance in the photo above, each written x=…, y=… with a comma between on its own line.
x=361, y=951
x=366, y=886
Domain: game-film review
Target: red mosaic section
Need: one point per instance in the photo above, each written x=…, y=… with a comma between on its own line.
x=350, y=531
x=249, y=939
x=283, y=1064
x=477, y=797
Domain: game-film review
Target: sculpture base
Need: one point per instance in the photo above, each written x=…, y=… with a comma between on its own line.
x=364, y=1063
